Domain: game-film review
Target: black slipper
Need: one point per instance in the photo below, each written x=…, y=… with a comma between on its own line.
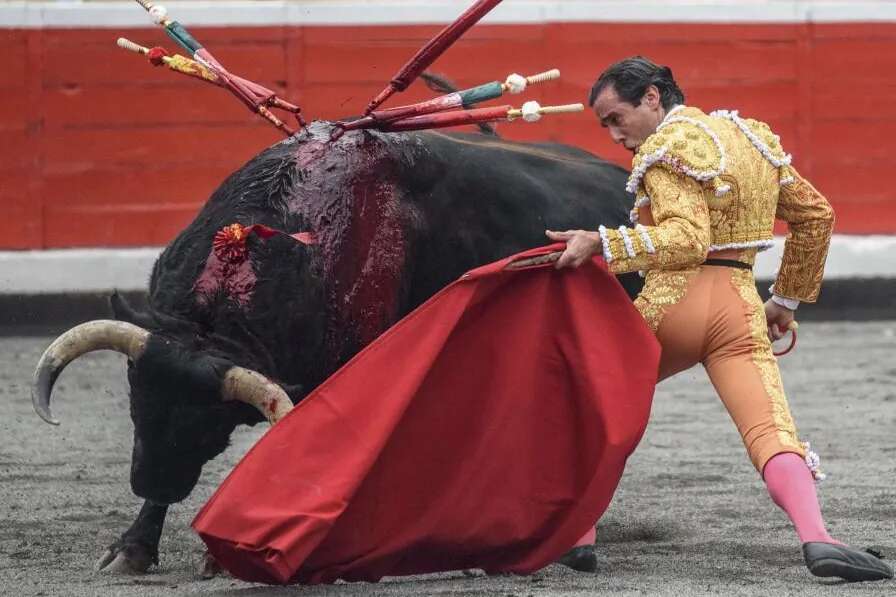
x=853, y=565
x=581, y=559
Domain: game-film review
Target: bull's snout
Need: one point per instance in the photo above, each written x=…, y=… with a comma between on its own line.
x=162, y=478
x=163, y=487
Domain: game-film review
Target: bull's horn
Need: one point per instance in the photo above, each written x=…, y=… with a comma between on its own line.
x=254, y=388
x=120, y=336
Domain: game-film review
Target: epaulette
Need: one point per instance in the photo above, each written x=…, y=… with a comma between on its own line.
x=686, y=146
x=763, y=139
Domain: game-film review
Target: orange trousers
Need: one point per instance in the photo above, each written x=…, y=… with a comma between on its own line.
x=713, y=315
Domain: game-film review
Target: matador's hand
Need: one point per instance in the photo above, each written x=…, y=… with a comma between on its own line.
x=581, y=245
x=779, y=319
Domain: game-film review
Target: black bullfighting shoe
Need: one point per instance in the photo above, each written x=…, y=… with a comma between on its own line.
x=580, y=559
x=853, y=565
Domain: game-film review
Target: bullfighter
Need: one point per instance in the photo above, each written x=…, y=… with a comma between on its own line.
x=708, y=189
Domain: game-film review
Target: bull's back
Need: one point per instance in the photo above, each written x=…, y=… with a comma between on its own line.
x=409, y=211
x=485, y=198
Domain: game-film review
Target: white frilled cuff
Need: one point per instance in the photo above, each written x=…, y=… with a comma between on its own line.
x=785, y=302
x=605, y=242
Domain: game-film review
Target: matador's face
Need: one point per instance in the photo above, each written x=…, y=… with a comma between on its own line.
x=628, y=124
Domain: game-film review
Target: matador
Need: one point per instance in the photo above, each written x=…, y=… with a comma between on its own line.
x=708, y=188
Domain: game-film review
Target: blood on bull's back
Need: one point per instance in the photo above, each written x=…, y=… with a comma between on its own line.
x=394, y=216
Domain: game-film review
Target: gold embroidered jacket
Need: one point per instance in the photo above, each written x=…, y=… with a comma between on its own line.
x=708, y=183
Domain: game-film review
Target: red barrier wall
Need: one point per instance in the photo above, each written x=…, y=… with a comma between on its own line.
x=101, y=149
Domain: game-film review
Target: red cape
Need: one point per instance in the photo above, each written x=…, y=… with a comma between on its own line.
x=487, y=429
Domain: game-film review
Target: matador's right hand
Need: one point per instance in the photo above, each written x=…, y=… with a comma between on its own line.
x=581, y=245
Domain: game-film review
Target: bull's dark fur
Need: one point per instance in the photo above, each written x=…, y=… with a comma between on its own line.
x=396, y=218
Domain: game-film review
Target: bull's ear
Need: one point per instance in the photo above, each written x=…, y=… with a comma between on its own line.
x=122, y=311
x=438, y=82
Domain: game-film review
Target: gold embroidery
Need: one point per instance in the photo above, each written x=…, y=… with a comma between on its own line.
x=662, y=290
x=754, y=172
x=746, y=214
x=682, y=232
x=765, y=141
x=765, y=361
x=684, y=145
x=811, y=221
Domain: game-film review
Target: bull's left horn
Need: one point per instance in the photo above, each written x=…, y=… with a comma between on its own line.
x=120, y=336
x=251, y=387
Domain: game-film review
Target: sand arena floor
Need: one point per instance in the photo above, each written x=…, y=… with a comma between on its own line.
x=691, y=516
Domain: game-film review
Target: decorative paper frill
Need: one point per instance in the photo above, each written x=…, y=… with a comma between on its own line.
x=229, y=243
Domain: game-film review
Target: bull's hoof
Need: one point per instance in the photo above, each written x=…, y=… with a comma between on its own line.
x=124, y=560
x=209, y=567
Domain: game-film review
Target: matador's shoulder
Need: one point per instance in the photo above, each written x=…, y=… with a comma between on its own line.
x=685, y=144
x=763, y=139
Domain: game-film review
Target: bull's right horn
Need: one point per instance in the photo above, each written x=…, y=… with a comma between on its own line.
x=120, y=336
x=251, y=387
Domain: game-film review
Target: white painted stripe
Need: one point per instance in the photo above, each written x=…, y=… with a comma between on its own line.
x=76, y=270
x=869, y=256
x=101, y=270
x=75, y=13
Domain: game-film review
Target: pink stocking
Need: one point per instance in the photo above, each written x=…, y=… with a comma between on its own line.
x=791, y=486
x=588, y=538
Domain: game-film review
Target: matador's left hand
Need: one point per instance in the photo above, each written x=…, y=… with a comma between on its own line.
x=779, y=319
x=581, y=245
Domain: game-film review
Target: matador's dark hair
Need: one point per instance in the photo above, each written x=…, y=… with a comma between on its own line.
x=631, y=78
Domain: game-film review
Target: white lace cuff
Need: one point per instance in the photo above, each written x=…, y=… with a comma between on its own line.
x=787, y=303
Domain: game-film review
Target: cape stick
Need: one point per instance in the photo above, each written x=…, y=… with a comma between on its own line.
x=530, y=112
x=432, y=50
x=256, y=97
x=451, y=101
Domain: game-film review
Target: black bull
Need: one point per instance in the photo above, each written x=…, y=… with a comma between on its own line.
x=394, y=217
